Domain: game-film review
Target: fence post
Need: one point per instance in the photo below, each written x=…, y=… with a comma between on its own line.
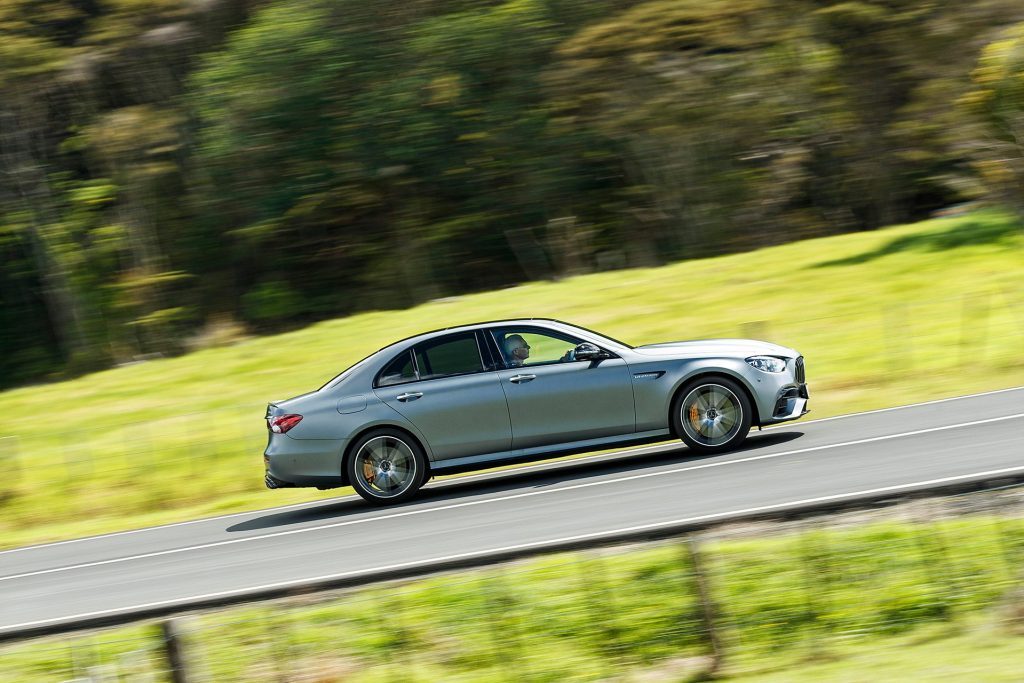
x=815, y=562
x=504, y=629
x=390, y=632
x=592, y=583
x=174, y=651
x=708, y=613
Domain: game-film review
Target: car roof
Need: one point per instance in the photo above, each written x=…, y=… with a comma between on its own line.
x=478, y=325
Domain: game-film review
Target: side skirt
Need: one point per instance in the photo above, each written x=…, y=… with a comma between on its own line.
x=512, y=457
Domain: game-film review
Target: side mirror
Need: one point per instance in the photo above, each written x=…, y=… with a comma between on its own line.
x=588, y=351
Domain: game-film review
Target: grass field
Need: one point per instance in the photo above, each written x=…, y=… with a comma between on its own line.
x=884, y=318
x=981, y=654
x=892, y=599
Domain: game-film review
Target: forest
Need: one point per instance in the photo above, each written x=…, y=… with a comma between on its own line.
x=171, y=169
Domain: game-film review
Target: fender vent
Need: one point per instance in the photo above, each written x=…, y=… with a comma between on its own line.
x=653, y=374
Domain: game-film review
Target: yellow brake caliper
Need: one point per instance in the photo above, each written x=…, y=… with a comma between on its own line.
x=694, y=416
x=368, y=470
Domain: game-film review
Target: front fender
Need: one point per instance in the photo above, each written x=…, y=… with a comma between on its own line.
x=654, y=398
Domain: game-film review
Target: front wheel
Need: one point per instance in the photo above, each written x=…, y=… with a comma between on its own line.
x=386, y=467
x=712, y=415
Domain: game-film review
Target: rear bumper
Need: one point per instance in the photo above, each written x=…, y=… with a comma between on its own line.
x=273, y=482
x=289, y=463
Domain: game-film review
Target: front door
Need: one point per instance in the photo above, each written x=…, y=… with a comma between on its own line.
x=553, y=398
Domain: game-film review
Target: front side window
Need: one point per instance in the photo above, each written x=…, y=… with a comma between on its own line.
x=526, y=346
x=447, y=356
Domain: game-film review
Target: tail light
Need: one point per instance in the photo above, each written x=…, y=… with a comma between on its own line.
x=282, y=423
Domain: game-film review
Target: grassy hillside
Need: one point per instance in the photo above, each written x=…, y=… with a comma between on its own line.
x=905, y=314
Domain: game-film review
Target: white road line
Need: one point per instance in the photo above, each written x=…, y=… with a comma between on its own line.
x=909, y=405
x=488, y=501
x=627, y=452
x=522, y=546
x=113, y=534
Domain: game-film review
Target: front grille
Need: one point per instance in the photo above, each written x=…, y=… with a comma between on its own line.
x=800, y=370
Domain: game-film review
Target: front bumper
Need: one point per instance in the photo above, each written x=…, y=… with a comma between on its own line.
x=791, y=400
x=791, y=404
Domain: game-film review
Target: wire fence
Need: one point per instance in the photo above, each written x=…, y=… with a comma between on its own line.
x=734, y=598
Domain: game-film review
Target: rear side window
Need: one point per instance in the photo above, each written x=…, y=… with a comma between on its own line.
x=454, y=355
x=398, y=371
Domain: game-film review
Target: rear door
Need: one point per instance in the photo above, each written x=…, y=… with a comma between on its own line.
x=445, y=388
x=555, y=399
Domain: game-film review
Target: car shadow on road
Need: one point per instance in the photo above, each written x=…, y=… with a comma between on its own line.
x=510, y=481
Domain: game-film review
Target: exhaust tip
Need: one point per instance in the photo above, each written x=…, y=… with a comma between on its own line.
x=275, y=483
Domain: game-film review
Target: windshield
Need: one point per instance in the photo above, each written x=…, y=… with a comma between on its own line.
x=598, y=334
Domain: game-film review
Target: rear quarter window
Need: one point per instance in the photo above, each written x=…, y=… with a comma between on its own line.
x=398, y=371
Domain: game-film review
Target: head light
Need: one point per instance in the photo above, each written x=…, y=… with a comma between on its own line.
x=767, y=363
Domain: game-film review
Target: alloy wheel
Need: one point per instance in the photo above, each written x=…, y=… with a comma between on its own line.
x=386, y=467
x=711, y=415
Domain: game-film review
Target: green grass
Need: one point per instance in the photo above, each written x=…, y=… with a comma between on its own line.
x=899, y=598
x=981, y=654
x=885, y=318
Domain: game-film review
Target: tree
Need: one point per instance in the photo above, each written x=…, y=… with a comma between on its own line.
x=406, y=157
x=710, y=100
x=33, y=50
x=998, y=101
x=898, y=149
x=64, y=64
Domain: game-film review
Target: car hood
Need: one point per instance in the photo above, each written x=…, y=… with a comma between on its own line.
x=739, y=348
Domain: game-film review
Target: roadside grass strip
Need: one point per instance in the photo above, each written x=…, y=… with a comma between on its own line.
x=825, y=595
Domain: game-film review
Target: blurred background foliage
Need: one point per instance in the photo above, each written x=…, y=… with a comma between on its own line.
x=169, y=165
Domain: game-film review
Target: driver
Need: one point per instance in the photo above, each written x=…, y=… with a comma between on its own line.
x=516, y=349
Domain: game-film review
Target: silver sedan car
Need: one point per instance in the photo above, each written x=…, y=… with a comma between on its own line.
x=480, y=395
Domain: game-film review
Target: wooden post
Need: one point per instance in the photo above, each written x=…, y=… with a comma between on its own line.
x=174, y=652
x=708, y=613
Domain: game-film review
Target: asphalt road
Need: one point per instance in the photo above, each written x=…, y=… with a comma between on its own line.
x=904, y=448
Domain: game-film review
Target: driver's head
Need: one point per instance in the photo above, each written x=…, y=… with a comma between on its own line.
x=517, y=348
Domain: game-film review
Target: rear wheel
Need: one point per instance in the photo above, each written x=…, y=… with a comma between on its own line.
x=712, y=415
x=386, y=467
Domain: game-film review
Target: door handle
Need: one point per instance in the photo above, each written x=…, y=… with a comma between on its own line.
x=409, y=396
x=516, y=379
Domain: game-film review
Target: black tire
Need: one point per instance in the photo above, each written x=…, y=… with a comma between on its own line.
x=398, y=452
x=705, y=428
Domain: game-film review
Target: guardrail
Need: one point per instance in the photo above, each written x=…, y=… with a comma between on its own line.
x=811, y=508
